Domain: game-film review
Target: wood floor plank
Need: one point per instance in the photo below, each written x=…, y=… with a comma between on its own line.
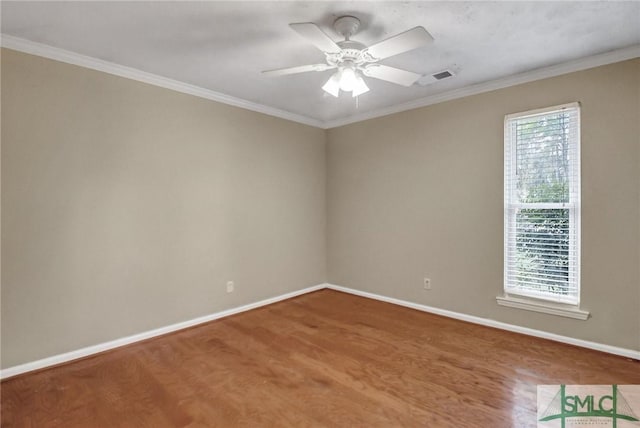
x=321, y=359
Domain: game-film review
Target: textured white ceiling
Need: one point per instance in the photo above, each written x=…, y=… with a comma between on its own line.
x=223, y=46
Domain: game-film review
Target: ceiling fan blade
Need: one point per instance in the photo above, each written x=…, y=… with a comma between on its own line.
x=403, y=42
x=391, y=74
x=315, y=35
x=298, y=69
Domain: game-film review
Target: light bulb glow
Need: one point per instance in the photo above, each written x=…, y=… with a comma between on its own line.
x=347, y=79
x=333, y=84
x=360, y=87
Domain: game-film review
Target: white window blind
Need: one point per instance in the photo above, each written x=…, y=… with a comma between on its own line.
x=542, y=204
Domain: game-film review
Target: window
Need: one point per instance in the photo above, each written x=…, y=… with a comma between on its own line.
x=542, y=205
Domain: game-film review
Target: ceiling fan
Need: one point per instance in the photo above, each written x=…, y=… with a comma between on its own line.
x=351, y=58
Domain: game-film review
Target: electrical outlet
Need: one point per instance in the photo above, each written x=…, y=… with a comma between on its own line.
x=427, y=284
x=230, y=287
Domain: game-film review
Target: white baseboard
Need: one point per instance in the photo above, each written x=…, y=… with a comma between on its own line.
x=101, y=347
x=629, y=353
x=90, y=350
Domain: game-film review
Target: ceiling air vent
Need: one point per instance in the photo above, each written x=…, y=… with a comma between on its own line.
x=442, y=75
x=428, y=79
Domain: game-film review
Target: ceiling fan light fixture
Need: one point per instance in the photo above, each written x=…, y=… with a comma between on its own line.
x=333, y=84
x=360, y=87
x=348, y=79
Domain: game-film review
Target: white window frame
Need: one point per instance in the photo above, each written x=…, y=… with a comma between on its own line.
x=528, y=299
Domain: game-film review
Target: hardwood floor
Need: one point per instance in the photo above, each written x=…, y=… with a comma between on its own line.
x=322, y=359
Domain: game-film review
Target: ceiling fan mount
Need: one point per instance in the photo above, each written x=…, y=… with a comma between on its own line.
x=346, y=25
x=353, y=59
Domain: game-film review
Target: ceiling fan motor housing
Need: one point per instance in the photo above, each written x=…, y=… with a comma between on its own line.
x=352, y=52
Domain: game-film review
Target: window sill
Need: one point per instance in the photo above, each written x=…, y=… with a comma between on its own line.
x=559, y=309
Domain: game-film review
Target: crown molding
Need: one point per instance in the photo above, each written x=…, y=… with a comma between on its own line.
x=46, y=51
x=504, y=82
x=62, y=55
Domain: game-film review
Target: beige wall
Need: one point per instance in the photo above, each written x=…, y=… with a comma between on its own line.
x=127, y=207
x=420, y=194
